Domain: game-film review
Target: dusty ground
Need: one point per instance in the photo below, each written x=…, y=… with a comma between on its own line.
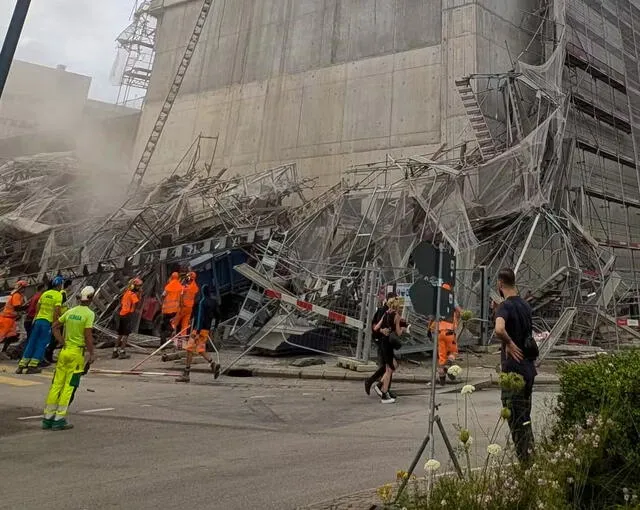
x=234, y=443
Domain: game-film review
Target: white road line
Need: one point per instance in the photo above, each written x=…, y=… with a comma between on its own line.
x=262, y=396
x=36, y=417
x=98, y=410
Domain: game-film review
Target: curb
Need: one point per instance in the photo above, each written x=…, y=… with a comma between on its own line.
x=336, y=374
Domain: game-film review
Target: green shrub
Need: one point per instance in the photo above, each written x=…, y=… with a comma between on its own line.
x=608, y=386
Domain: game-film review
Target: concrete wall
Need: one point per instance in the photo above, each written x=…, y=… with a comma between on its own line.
x=324, y=83
x=41, y=99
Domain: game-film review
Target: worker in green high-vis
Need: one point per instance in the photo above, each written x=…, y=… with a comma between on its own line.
x=77, y=341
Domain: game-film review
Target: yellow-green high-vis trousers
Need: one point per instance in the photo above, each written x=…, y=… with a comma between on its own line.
x=66, y=378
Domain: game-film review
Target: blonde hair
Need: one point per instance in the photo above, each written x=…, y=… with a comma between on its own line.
x=394, y=303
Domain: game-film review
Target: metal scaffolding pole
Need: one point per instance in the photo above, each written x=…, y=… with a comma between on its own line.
x=11, y=40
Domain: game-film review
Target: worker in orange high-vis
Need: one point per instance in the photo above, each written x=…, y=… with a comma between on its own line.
x=128, y=303
x=170, y=305
x=447, y=342
x=190, y=291
x=10, y=313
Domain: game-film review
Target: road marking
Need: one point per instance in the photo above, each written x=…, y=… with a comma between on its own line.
x=15, y=381
x=98, y=410
x=263, y=396
x=35, y=417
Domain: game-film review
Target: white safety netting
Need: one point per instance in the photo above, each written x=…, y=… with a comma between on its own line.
x=547, y=77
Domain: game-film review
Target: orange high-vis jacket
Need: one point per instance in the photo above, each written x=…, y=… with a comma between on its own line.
x=172, y=293
x=15, y=300
x=128, y=302
x=189, y=293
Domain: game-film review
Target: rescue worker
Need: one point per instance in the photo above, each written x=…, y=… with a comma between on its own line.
x=128, y=303
x=48, y=353
x=78, y=338
x=447, y=343
x=207, y=313
x=170, y=305
x=190, y=291
x=47, y=312
x=10, y=313
x=31, y=309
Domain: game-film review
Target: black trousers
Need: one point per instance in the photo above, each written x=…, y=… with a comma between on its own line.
x=165, y=328
x=385, y=357
x=519, y=403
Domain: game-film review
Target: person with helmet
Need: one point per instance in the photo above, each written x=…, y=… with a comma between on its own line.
x=170, y=304
x=78, y=339
x=48, y=353
x=9, y=315
x=128, y=302
x=207, y=313
x=447, y=343
x=47, y=312
x=190, y=291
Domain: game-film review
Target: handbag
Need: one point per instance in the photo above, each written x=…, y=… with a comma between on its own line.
x=530, y=348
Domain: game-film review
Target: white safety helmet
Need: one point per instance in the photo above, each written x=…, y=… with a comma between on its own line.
x=87, y=293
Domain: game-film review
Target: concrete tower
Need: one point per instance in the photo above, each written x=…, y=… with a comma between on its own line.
x=324, y=83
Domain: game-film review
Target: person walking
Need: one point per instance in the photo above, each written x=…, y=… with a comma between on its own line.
x=514, y=321
x=190, y=291
x=128, y=303
x=47, y=312
x=377, y=337
x=10, y=313
x=390, y=326
x=447, y=341
x=207, y=314
x=77, y=340
x=48, y=353
x=170, y=305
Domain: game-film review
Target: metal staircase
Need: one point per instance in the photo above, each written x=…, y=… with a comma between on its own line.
x=254, y=302
x=557, y=332
x=486, y=143
x=171, y=96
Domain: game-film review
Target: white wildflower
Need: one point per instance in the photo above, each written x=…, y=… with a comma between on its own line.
x=494, y=449
x=443, y=502
x=454, y=370
x=570, y=480
x=626, y=497
x=541, y=505
x=432, y=465
x=467, y=389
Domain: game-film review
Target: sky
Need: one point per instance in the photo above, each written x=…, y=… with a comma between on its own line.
x=77, y=33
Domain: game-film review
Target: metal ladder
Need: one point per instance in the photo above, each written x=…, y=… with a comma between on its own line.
x=253, y=303
x=557, y=332
x=486, y=143
x=152, y=142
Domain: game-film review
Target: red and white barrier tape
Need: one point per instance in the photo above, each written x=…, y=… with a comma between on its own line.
x=305, y=305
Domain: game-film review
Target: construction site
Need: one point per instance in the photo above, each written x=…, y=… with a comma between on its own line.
x=309, y=168
x=294, y=155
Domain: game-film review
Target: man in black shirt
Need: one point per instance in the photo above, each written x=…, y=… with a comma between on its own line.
x=514, y=327
x=377, y=336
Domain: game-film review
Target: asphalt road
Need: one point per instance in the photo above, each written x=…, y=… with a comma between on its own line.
x=236, y=443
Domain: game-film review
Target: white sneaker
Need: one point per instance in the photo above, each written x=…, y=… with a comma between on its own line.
x=378, y=389
x=387, y=399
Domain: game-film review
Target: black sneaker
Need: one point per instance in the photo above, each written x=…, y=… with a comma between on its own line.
x=184, y=377
x=215, y=368
x=367, y=386
x=115, y=354
x=378, y=389
x=19, y=370
x=392, y=394
x=123, y=355
x=34, y=370
x=387, y=399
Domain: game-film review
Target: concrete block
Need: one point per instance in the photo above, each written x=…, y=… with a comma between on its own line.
x=368, y=107
x=431, y=55
x=322, y=113
x=416, y=100
x=370, y=67
x=334, y=375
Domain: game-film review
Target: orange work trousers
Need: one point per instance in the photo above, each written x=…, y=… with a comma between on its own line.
x=8, y=328
x=447, y=348
x=181, y=321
